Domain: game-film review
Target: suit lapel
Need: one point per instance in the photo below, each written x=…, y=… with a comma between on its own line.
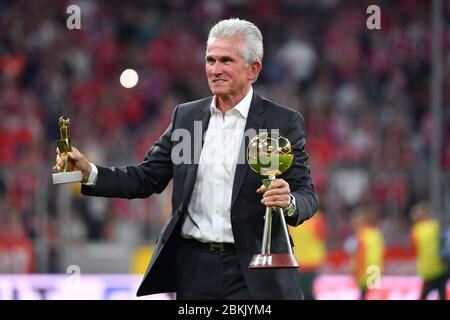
x=203, y=116
x=255, y=121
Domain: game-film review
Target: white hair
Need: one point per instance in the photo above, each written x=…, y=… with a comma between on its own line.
x=252, y=49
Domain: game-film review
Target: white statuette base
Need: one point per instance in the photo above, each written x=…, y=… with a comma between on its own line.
x=67, y=177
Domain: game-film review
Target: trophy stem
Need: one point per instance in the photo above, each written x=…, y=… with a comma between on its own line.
x=286, y=232
x=267, y=233
x=65, y=161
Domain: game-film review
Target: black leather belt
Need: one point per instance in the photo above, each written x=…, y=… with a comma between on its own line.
x=212, y=246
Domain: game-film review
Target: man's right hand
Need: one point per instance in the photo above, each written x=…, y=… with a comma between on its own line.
x=78, y=160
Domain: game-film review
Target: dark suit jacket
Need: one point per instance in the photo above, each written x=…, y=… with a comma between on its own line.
x=247, y=212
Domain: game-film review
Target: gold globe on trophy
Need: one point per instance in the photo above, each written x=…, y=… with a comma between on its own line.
x=269, y=156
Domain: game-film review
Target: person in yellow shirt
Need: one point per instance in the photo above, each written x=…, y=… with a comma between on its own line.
x=310, y=250
x=425, y=238
x=367, y=256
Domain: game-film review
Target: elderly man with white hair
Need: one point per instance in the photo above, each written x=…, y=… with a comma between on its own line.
x=218, y=203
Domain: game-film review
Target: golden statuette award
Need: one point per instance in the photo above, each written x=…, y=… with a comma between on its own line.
x=67, y=175
x=270, y=156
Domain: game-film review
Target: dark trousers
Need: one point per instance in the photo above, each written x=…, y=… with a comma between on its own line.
x=208, y=275
x=306, y=282
x=439, y=283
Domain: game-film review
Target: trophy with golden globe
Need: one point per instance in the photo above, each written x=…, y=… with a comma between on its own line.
x=270, y=156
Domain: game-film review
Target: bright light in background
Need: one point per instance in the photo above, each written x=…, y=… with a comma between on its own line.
x=129, y=78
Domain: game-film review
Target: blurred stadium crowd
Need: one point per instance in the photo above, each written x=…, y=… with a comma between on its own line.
x=364, y=95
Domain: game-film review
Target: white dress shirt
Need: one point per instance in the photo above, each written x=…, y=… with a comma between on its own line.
x=210, y=205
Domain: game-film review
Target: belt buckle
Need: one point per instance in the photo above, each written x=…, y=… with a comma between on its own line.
x=216, y=246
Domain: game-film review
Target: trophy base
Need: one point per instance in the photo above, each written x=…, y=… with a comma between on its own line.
x=276, y=260
x=67, y=177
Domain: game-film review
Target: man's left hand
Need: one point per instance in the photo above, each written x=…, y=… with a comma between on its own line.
x=277, y=195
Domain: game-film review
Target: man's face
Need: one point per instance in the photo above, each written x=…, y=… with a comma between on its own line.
x=227, y=72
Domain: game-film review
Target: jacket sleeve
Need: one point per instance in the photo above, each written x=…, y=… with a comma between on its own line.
x=298, y=175
x=137, y=181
